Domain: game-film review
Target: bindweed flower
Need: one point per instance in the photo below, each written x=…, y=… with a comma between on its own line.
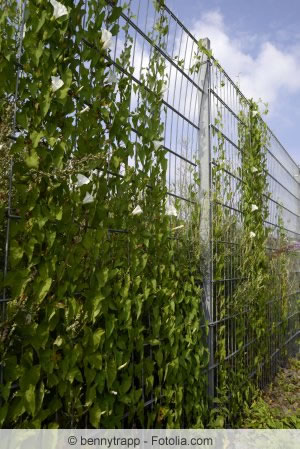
x=106, y=39
x=122, y=168
x=122, y=366
x=112, y=77
x=82, y=180
x=114, y=392
x=254, y=170
x=178, y=227
x=59, y=9
x=24, y=30
x=252, y=235
x=157, y=144
x=86, y=109
x=137, y=211
x=88, y=199
x=164, y=90
x=254, y=207
x=56, y=83
x=171, y=210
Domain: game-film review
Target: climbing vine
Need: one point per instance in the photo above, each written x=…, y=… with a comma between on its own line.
x=105, y=324
x=101, y=320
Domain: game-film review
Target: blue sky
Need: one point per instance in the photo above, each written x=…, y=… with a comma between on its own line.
x=258, y=44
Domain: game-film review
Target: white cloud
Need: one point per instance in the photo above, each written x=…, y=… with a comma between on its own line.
x=264, y=75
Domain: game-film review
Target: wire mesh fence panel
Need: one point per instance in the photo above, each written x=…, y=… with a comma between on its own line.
x=204, y=116
x=228, y=112
x=181, y=118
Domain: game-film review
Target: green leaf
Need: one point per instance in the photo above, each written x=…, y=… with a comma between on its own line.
x=37, y=53
x=74, y=373
x=94, y=305
x=35, y=137
x=95, y=415
x=29, y=399
x=90, y=396
x=110, y=324
x=96, y=337
x=22, y=119
x=30, y=377
x=219, y=422
x=159, y=357
x=59, y=213
x=45, y=104
x=16, y=252
x=3, y=414
x=44, y=289
x=41, y=20
x=111, y=372
x=125, y=385
x=154, y=342
x=116, y=13
x=5, y=390
x=32, y=161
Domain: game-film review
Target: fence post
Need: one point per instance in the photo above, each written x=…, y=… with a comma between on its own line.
x=205, y=201
x=298, y=179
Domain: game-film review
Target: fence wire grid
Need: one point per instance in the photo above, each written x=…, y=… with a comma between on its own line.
x=191, y=103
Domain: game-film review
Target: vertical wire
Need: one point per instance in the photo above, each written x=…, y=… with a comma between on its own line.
x=211, y=242
x=171, y=112
x=4, y=298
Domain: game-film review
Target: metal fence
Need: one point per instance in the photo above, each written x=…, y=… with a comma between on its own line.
x=283, y=208
x=191, y=104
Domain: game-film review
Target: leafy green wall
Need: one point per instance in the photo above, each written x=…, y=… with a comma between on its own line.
x=105, y=327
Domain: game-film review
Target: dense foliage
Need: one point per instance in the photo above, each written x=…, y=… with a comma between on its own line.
x=105, y=325
x=106, y=311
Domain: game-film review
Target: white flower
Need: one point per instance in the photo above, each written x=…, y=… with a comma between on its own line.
x=254, y=170
x=137, y=211
x=254, y=207
x=122, y=366
x=87, y=108
x=106, y=38
x=88, y=199
x=252, y=235
x=114, y=392
x=112, y=77
x=171, y=210
x=157, y=144
x=24, y=30
x=164, y=90
x=82, y=180
x=254, y=113
x=28, y=318
x=1, y=146
x=57, y=83
x=178, y=227
x=122, y=168
x=59, y=9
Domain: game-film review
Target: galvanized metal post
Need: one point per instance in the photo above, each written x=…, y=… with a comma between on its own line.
x=205, y=201
x=298, y=179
